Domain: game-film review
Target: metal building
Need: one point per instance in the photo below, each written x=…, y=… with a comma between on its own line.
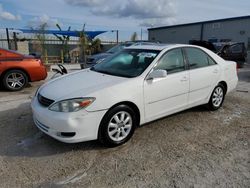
x=235, y=29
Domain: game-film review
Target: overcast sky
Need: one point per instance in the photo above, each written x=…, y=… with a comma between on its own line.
x=127, y=16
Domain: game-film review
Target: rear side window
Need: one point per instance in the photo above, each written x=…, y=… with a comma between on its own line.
x=198, y=59
x=211, y=61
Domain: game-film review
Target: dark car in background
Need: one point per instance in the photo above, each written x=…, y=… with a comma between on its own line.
x=235, y=51
x=227, y=50
x=204, y=44
x=97, y=58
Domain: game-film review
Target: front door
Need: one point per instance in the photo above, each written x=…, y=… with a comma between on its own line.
x=163, y=96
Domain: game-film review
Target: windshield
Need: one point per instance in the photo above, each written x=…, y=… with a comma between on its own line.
x=127, y=63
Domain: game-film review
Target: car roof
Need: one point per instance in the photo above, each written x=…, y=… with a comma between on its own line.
x=158, y=46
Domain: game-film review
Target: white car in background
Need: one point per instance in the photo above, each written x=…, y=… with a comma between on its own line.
x=138, y=85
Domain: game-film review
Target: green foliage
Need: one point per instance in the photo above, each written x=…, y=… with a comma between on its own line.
x=134, y=37
x=40, y=36
x=87, y=46
x=83, y=45
x=96, y=46
x=64, y=39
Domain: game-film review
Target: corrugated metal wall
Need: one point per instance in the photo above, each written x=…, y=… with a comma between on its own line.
x=234, y=30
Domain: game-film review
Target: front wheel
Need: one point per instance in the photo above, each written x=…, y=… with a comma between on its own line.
x=117, y=126
x=15, y=80
x=217, y=97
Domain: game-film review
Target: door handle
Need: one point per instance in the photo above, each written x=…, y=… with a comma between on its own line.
x=215, y=71
x=184, y=79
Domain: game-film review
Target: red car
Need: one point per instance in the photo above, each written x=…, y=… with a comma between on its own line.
x=16, y=70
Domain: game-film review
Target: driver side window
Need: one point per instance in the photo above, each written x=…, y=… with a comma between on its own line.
x=172, y=62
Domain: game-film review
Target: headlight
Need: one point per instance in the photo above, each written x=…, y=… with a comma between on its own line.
x=71, y=105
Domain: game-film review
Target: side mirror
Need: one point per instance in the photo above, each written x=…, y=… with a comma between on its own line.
x=157, y=74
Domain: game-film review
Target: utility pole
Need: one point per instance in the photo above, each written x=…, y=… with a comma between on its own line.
x=15, y=40
x=141, y=33
x=117, y=35
x=83, y=40
x=8, y=38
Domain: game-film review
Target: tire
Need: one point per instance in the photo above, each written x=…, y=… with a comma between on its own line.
x=117, y=126
x=15, y=80
x=217, y=98
x=82, y=66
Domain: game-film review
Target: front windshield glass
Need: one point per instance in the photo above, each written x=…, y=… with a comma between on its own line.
x=127, y=63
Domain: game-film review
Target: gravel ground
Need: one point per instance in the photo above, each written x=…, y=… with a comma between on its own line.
x=194, y=148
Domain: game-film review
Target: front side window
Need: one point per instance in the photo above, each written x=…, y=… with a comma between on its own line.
x=197, y=58
x=127, y=63
x=172, y=62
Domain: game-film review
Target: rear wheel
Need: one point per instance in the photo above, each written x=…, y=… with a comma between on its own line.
x=117, y=126
x=217, y=97
x=15, y=80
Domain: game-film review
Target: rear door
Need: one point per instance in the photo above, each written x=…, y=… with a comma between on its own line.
x=203, y=73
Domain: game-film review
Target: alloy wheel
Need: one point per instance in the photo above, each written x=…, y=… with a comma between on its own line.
x=15, y=80
x=120, y=126
x=217, y=96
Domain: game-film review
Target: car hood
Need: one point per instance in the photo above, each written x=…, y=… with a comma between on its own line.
x=78, y=84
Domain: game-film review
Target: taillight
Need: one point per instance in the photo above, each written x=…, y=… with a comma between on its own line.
x=237, y=68
x=40, y=62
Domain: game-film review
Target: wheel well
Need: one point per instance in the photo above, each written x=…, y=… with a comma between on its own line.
x=224, y=85
x=131, y=105
x=3, y=73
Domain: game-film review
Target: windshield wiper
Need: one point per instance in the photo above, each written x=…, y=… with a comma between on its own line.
x=100, y=71
x=109, y=73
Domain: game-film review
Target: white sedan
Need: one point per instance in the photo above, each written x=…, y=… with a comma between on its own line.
x=135, y=86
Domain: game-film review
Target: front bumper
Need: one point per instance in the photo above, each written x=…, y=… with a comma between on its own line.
x=77, y=126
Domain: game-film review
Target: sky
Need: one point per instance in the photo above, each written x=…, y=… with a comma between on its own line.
x=127, y=16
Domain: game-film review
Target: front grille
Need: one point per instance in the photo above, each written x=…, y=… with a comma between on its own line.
x=44, y=101
x=42, y=126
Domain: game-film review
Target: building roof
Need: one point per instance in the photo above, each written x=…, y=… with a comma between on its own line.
x=203, y=22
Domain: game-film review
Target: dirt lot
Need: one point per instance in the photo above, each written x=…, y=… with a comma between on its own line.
x=195, y=148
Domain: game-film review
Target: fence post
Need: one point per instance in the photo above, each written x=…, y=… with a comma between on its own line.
x=15, y=40
x=62, y=59
x=46, y=57
x=8, y=38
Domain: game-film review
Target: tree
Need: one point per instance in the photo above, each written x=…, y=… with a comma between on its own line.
x=134, y=37
x=96, y=45
x=40, y=36
x=83, y=46
x=64, y=39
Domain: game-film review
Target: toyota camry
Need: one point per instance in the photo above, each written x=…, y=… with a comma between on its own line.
x=133, y=87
